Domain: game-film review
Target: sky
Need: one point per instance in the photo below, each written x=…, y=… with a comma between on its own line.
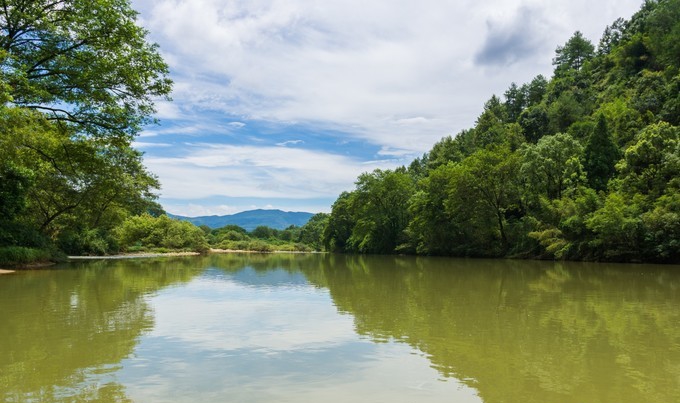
x=281, y=104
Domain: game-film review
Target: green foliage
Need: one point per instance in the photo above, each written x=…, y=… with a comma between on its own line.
x=600, y=156
x=552, y=165
x=340, y=224
x=535, y=123
x=618, y=229
x=574, y=54
x=585, y=165
x=381, y=202
x=311, y=234
x=78, y=81
x=83, y=62
x=651, y=166
x=150, y=232
x=19, y=255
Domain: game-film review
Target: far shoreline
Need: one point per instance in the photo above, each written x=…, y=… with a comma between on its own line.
x=175, y=254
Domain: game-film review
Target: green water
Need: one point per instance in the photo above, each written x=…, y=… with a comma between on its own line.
x=320, y=328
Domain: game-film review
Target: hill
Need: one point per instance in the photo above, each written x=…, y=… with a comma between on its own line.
x=584, y=165
x=249, y=220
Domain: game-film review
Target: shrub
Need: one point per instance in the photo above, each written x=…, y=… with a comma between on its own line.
x=19, y=255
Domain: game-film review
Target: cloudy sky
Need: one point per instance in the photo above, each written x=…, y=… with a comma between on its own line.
x=282, y=103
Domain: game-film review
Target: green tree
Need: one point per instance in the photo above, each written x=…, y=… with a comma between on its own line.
x=515, y=101
x=651, y=166
x=381, y=210
x=552, y=165
x=78, y=81
x=535, y=90
x=82, y=62
x=488, y=181
x=312, y=232
x=574, y=54
x=340, y=223
x=535, y=123
x=432, y=229
x=618, y=229
x=145, y=231
x=600, y=156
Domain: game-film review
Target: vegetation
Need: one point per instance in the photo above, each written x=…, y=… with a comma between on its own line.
x=265, y=239
x=76, y=85
x=585, y=165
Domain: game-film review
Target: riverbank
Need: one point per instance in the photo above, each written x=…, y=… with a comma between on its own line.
x=142, y=255
x=133, y=255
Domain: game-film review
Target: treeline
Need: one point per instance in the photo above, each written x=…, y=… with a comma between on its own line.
x=585, y=165
x=146, y=233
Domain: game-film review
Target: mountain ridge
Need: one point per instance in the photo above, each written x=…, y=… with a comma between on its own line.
x=251, y=219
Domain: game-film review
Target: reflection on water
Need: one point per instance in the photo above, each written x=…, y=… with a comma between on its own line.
x=291, y=328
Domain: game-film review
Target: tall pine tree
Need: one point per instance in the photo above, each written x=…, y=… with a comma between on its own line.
x=601, y=155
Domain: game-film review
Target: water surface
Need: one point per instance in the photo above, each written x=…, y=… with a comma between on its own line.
x=308, y=328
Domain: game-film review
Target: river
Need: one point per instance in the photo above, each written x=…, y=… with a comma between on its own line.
x=330, y=328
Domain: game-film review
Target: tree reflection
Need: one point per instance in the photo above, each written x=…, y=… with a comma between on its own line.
x=522, y=331
x=61, y=329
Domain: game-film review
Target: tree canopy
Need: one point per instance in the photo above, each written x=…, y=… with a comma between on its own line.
x=78, y=80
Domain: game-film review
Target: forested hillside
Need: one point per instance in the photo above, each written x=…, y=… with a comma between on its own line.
x=584, y=165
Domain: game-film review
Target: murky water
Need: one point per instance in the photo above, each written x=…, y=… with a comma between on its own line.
x=324, y=328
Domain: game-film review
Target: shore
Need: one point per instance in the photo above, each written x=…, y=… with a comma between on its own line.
x=133, y=255
x=141, y=256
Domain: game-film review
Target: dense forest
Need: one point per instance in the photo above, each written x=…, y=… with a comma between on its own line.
x=584, y=166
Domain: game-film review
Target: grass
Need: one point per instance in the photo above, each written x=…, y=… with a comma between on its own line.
x=21, y=256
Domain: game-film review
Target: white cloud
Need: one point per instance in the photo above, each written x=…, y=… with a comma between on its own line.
x=358, y=64
x=396, y=74
x=209, y=170
x=289, y=142
x=142, y=144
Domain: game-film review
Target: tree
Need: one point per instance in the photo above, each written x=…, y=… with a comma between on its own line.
x=611, y=37
x=618, y=229
x=535, y=90
x=574, y=53
x=432, y=229
x=535, y=123
x=515, y=101
x=82, y=62
x=312, y=232
x=552, y=165
x=488, y=182
x=78, y=81
x=381, y=210
x=651, y=166
x=340, y=223
x=600, y=156
x=145, y=231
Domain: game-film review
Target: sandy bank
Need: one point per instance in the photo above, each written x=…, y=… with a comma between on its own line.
x=3, y=271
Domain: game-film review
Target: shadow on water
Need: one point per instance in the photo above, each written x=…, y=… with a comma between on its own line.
x=62, y=326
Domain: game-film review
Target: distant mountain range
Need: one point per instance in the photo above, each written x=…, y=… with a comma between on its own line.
x=249, y=220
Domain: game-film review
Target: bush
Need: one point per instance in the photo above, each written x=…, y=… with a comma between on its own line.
x=19, y=255
x=147, y=232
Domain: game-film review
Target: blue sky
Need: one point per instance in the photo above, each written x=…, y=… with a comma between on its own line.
x=283, y=103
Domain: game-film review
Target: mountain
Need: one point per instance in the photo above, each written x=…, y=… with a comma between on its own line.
x=249, y=220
